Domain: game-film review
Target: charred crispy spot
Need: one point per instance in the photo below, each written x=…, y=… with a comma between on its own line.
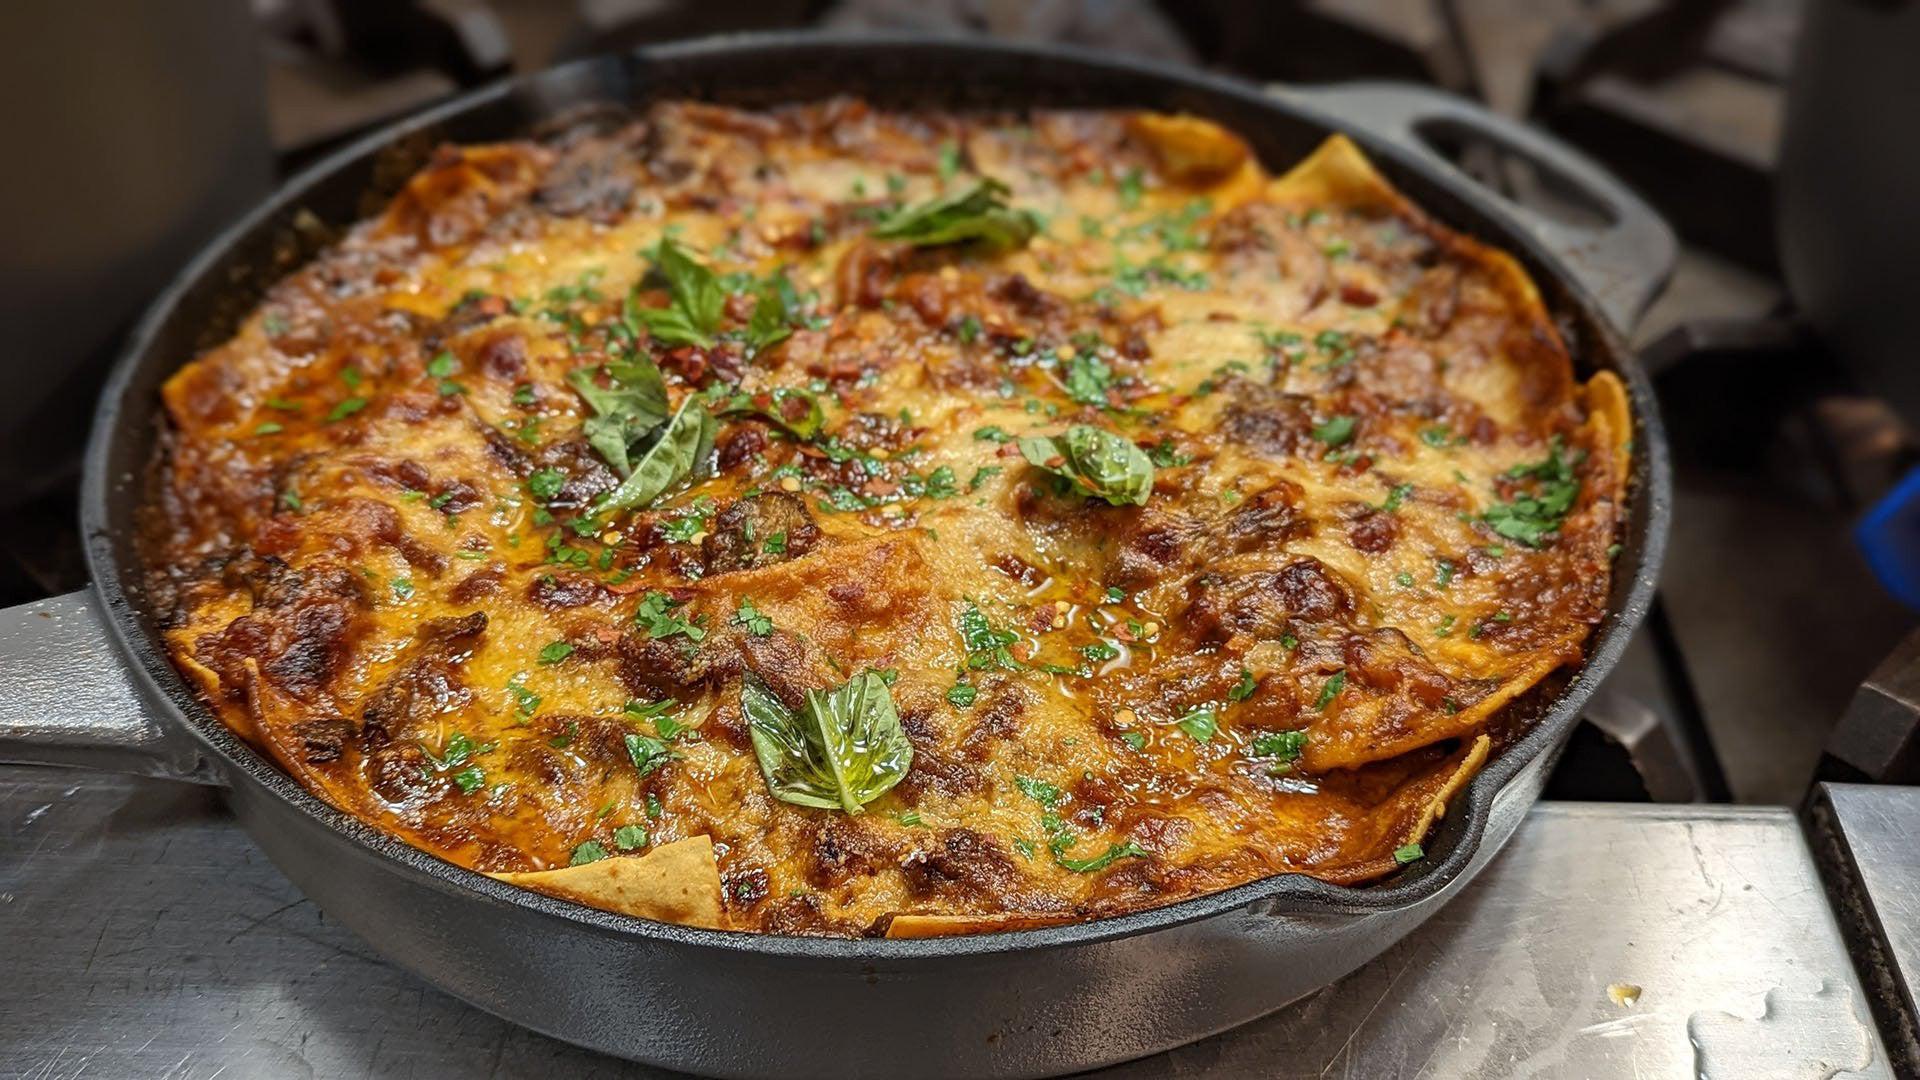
x=866, y=273
x=757, y=531
x=587, y=475
x=1268, y=420
x=503, y=357
x=655, y=668
x=937, y=774
x=556, y=592
x=592, y=179
x=427, y=683
x=843, y=848
x=598, y=740
x=482, y=582
x=1261, y=604
x=1311, y=591
x=1028, y=300
x=1152, y=544
x=1373, y=532
x=964, y=866
x=323, y=738
x=996, y=720
x=739, y=443
x=1266, y=517
x=745, y=887
x=301, y=635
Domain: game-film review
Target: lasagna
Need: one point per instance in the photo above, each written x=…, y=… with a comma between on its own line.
x=833, y=520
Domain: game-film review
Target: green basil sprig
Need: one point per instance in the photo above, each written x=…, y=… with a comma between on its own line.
x=625, y=412
x=978, y=214
x=697, y=300
x=843, y=750
x=679, y=453
x=774, y=314
x=1096, y=462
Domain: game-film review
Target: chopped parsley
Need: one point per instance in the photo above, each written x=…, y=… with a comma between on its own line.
x=986, y=646
x=1243, y=689
x=555, y=652
x=962, y=695
x=591, y=851
x=1335, y=431
x=1331, y=690
x=1535, y=512
x=346, y=408
x=1284, y=747
x=647, y=752
x=752, y=618
x=1099, y=651
x=1088, y=379
x=655, y=616
x=629, y=837
x=1200, y=724
x=1038, y=790
x=525, y=700
x=1408, y=853
x=544, y=484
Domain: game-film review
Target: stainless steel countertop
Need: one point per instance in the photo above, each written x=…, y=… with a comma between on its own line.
x=141, y=934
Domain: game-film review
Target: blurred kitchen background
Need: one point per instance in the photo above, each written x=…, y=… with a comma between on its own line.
x=1784, y=379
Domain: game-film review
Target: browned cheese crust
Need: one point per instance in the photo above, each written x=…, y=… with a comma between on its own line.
x=364, y=522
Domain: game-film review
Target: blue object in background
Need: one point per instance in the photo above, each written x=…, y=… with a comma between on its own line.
x=1889, y=536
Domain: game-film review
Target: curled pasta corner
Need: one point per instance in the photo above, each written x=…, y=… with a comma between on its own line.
x=677, y=882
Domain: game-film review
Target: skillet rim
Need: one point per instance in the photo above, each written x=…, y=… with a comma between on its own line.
x=107, y=501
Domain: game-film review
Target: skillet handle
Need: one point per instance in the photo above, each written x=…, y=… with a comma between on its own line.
x=67, y=697
x=1623, y=261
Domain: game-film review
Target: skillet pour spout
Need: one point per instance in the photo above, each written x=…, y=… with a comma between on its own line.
x=91, y=683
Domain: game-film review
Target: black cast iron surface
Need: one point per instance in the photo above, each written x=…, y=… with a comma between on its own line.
x=1025, y=1003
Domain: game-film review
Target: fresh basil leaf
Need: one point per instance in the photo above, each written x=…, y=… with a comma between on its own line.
x=1200, y=724
x=798, y=411
x=697, y=300
x=624, y=412
x=680, y=453
x=1284, y=745
x=977, y=214
x=647, y=752
x=1096, y=462
x=843, y=750
x=774, y=314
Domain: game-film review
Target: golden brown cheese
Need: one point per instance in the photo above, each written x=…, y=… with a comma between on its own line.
x=365, y=522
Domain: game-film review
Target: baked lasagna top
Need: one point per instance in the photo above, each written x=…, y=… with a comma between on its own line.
x=831, y=520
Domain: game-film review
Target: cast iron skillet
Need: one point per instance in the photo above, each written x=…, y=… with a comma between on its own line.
x=88, y=681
